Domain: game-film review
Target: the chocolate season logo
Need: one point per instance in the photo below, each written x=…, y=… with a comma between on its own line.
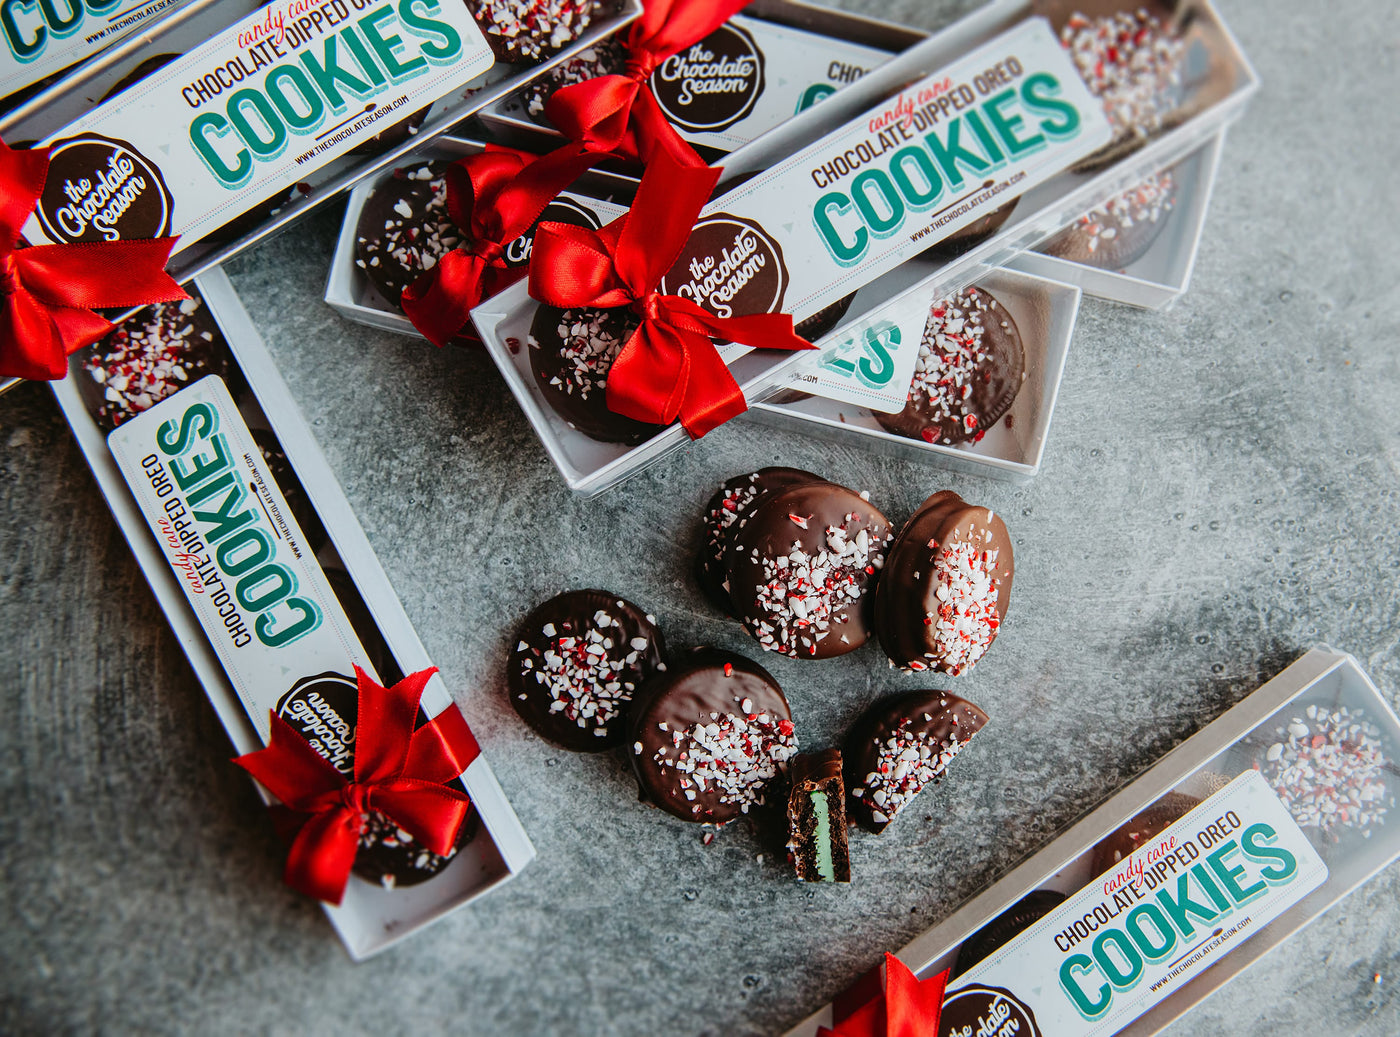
x=27, y=33
x=979, y=1011
x=323, y=710
x=731, y=267
x=561, y=210
x=103, y=189
x=713, y=84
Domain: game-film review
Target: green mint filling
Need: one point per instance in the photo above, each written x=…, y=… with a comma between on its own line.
x=822, y=837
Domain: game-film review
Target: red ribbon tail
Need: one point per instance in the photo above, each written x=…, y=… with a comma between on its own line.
x=443, y=748
x=712, y=396
x=323, y=853
x=441, y=301
x=914, y=1007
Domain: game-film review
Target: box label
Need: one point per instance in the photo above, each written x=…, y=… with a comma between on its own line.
x=43, y=36
x=227, y=532
x=229, y=125
x=1141, y=931
x=942, y=154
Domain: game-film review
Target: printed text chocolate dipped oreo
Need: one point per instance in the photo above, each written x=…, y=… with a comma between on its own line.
x=709, y=736
x=571, y=352
x=900, y=745
x=731, y=267
x=727, y=512
x=101, y=189
x=324, y=709
x=713, y=84
x=577, y=662
x=970, y=367
x=946, y=586
x=802, y=565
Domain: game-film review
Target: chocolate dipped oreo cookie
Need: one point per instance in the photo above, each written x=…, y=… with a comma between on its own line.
x=404, y=228
x=902, y=744
x=571, y=352
x=801, y=565
x=728, y=511
x=970, y=367
x=1140, y=830
x=946, y=586
x=817, y=818
x=149, y=357
x=578, y=660
x=324, y=710
x=606, y=57
x=1005, y=927
x=709, y=736
x=525, y=32
x=1122, y=229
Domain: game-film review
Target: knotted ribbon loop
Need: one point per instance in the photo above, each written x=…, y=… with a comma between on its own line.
x=618, y=114
x=909, y=1007
x=47, y=292
x=669, y=369
x=399, y=772
x=493, y=197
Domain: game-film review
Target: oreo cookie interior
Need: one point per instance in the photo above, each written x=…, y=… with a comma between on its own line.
x=576, y=664
x=324, y=710
x=1002, y=929
x=571, y=353
x=970, y=369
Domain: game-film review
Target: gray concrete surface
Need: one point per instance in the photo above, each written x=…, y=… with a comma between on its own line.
x=1220, y=492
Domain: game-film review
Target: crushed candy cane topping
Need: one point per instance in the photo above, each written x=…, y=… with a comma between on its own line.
x=805, y=596
x=965, y=588
x=378, y=830
x=603, y=58
x=952, y=356
x=1329, y=771
x=590, y=676
x=731, y=755
x=588, y=348
x=907, y=760
x=1148, y=202
x=1132, y=63
x=534, y=29
x=411, y=241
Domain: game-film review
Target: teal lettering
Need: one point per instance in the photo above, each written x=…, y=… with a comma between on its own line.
x=814, y=93
x=24, y=50
x=1089, y=1008
x=882, y=226
x=1038, y=94
x=385, y=47
x=1007, y=125
x=277, y=132
x=228, y=555
x=1133, y=924
x=845, y=254
x=230, y=176
x=203, y=465
x=441, y=42
x=60, y=24
x=1212, y=890
x=298, y=121
x=1178, y=909
x=990, y=146
x=876, y=340
x=308, y=619
x=1254, y=843
x=208, y=490
x=330, y=76
x=200, y=420
x=918, y=198
x=284, y=585
x=354, y=44
x=949, y=154
x=1230, y=877
x=1123, y=976
x=227, y=517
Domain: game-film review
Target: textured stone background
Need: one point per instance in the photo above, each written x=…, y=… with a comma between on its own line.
x=1220, y=492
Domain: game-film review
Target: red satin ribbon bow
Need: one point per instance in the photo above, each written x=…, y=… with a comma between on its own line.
x=910, y=1007
x=48, y=292
x=669, y=368
x=615, y=114
x=493, y=198
x=399, y=772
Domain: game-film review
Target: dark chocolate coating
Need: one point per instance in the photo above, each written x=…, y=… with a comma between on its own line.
x=985, y=353
x=285, y=476
x=817, y=772
x=1005, y=927
x=938, y=721
x=710, y=687
x=819, y=323
x=324, y=709
x=576, y=698
x=525, y=32
x=148, y=357
x=916, y=629
x=727, y=512
x=606, y=57
x=814, y=616
x=404, y=228
x=1141, y=829
x=1120, y=231
x=571, y=352
x=976, y=232
x=140, y=72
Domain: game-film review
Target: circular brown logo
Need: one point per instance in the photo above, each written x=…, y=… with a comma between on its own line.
x=713, y=84
x=979, y=1011
x=100, y=189
x=731, y=267
x=323, y=710
x=561, y=210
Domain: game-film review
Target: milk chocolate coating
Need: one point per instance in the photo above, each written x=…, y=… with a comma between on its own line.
x=985, y=353
x=793, y=588
x=1005, y=927
x=1121, y=230
x=917, y=629
x=571, y=353
x=1141, y=829
x=707, y=686
x=575, y=665
x=726, y=513
x=324, y=709
x=938, y=721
